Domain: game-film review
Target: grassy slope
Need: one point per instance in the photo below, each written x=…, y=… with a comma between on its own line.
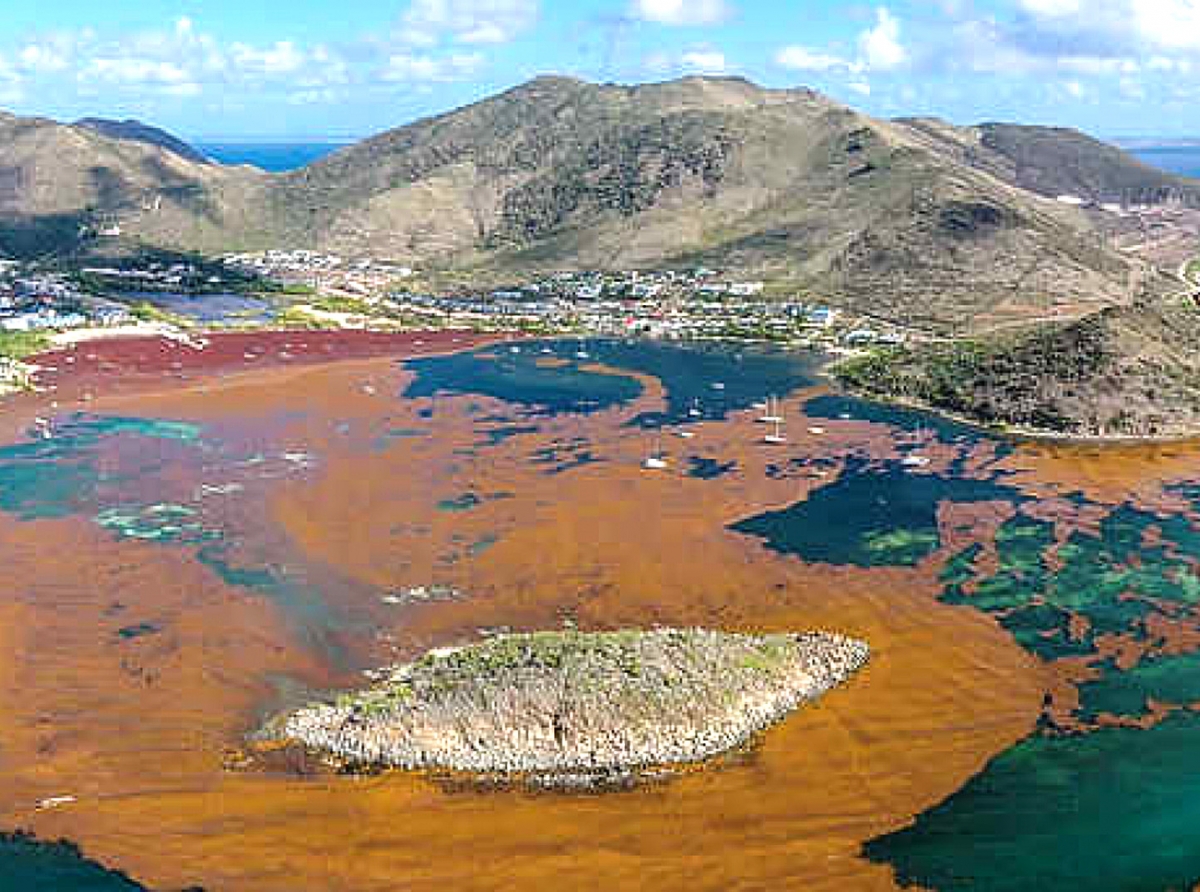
x=1121, y=372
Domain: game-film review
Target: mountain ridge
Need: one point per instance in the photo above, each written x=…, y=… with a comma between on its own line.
x=904, y=220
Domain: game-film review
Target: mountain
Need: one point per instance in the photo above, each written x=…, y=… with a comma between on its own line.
x=139, y=132
x=1054, y=161
x=788, y=185
x=901, y=220
x=61, y=185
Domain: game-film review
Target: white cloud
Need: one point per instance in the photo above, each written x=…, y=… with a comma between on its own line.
x=799, y=58
x=282, y=58
x=880, y=47
x=44, y=58
x=1052, y=8
x=682, y=12
x=1168, y=24
x=879, y=50
x=705, y=62
x=131, y=70
x=409, y=68
x=427, y=23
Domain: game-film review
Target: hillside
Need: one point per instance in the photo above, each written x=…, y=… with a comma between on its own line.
x=1054, y=161
x=1122, y=372
x=60, y=185
x=144, y=133
x=783, y=184
x=896, y=220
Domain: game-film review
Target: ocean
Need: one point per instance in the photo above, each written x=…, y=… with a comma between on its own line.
x=276, y=157
x=1173, y=159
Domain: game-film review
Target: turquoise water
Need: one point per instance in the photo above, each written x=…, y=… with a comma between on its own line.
x=1100, y=808
x=64, y=476
x=1113, y=810
x=57, y=477
x=1109, y=808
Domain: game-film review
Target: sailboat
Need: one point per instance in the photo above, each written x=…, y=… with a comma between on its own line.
x=777, y=438
x=657, y=461
x=773, y=414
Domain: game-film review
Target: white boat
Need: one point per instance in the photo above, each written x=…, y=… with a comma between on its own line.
x=686, y=435
x=718, y=385
x=772, y=415
x=695, y=412
x=56, y=802
x=777, y=438
x=816, y=431
x=915, y=461
x=657, y=460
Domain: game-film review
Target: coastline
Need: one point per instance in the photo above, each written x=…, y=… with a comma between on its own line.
x=930, y=673
x=1018, y=434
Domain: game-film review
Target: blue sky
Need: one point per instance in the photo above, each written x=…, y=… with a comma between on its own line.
x=315, y=68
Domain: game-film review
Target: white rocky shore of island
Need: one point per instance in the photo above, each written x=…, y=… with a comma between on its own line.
x=573, y=702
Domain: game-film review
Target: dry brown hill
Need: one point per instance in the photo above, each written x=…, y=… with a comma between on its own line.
x=888, y=218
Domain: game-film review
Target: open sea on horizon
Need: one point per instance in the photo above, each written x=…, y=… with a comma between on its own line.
x=275, y=157
x=1183, y=160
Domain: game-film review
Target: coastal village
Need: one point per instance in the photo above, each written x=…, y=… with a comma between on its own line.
x=308, y=289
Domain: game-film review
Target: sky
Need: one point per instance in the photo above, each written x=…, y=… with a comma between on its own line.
x=322, y=69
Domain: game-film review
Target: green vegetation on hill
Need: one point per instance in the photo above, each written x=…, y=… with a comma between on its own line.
x=1121, y=372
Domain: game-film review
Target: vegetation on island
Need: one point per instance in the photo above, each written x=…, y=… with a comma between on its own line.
x=578, y=703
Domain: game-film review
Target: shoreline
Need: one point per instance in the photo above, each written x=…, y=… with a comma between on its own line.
x=1020, y=434
x=528, y=704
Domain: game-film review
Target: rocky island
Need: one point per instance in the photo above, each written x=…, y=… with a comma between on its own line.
x=578, y=704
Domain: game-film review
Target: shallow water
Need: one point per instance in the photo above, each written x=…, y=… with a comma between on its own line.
x=1115, y=809
x=1063, y=583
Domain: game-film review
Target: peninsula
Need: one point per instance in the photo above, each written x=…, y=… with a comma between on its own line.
x=571, y=703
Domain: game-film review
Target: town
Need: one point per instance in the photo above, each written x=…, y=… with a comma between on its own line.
x=309, y=289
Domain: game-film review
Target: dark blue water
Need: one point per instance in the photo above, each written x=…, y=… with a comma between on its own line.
x=702, y=381
x=28, y=866
x=270, y=156
x=836, y=406
x=1185, y=161
x=870, y=517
